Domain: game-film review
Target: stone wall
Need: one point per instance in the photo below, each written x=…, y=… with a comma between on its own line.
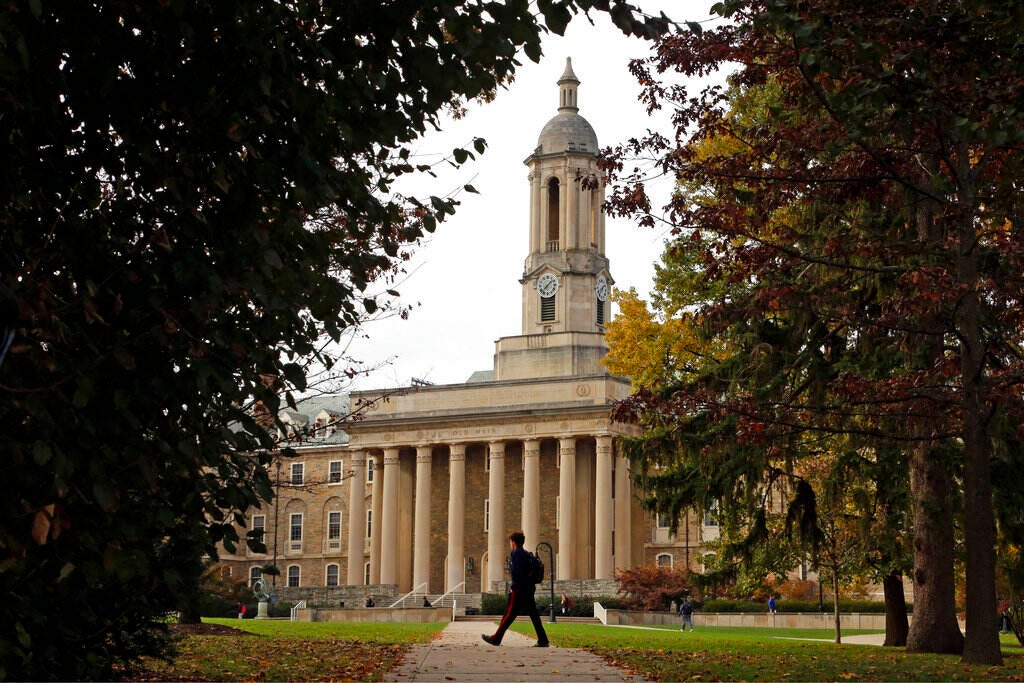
x=823, y=620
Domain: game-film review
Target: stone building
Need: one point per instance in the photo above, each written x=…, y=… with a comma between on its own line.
x=421, y=492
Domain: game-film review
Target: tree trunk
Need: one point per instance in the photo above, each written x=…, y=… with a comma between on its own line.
x=934, y=627
x=982, y=644
x=896, y=624
x=835, y=604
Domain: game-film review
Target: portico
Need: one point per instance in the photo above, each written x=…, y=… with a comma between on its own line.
x=489, y=455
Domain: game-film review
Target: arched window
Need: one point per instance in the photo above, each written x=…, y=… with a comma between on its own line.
x=553, y=214
x=254, y=574
x=294, y=574
x=665, y=560
x=707, y=560
x=332, y=575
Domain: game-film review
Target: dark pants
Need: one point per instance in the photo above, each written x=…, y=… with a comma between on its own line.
x=521, y=602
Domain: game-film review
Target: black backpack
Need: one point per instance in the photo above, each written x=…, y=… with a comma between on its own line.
x=536, y=567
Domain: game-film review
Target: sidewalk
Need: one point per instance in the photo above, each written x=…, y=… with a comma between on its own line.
x=460, y=655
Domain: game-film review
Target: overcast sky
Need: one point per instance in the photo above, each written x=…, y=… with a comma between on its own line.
x=464, y=280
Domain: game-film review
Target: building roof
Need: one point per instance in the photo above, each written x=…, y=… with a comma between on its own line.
x=567, y=131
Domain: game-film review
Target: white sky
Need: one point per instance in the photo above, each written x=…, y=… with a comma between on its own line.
x=465, y=277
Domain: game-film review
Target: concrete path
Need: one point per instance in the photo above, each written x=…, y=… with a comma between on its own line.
x=460, y=655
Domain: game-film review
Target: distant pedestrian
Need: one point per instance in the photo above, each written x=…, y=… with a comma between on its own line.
x=369, y=601
x=686, y=612
x=520, y=599
x=566, y=604
x=242, y=610
x=771, y=604
x=426, y=601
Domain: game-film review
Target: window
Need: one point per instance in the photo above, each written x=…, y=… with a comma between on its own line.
x=334, y=525
x=664, y=520
x=711, y=514
x=665, y=560
x=295, y=525
x=487, y=460
x=803, y=570
x=369, y=523
x=487, y=514
x=334, y=472
x=370, y=462
x=547, y=308
x=707, y=560
x=225, y=572
x=366, y=574
x=600, y=312
x=613, y=542
x=332, y=575
x=553, y=215
x=293, y=576
x=254, y=574
x=259, y=527
x=297, y=470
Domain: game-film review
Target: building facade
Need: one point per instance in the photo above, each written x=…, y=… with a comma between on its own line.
x=420, y=493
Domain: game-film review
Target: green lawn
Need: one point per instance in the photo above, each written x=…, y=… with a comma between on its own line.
x=290, y=651
x=296, y=651
x=757, y=654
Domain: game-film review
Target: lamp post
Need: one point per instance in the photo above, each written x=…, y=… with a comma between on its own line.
x=551, y=575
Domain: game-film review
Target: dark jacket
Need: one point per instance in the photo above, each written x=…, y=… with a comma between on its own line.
x=521, y=574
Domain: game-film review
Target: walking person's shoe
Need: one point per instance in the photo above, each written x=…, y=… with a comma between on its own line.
x=489, y=640
x=540, y=644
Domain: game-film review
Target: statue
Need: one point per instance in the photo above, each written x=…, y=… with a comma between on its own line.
x=262, y=592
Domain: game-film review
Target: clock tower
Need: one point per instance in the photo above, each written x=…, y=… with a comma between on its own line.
x=565, y=280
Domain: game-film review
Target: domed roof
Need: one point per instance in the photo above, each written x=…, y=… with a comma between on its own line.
x=567, y=131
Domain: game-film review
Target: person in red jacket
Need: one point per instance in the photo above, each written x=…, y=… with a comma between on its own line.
x=520, y=599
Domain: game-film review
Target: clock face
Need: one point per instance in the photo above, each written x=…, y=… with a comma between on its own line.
x=547, y=285
x=602, y=289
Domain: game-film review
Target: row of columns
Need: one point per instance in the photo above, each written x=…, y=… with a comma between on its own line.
x=385, y=512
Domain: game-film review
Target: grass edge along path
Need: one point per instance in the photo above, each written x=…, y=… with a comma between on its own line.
x=765, y=654
x=289, y=651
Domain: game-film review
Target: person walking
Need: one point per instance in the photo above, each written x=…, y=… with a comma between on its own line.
x=686, y=612
x=566, y=604
x=771, y=603
x=521, y=597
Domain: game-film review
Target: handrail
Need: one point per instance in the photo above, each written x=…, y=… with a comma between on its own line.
x=301, y=604
x=409, y=594
x=451, y=592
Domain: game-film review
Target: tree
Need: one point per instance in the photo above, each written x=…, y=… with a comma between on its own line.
x=875, y=199
x=194, y=196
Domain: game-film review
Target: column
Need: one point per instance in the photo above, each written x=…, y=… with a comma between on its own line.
x=531, y=492
x=623, y=520
x=456, y=516
x=566, y=500
x=496, y=537
x=389, y=519
x=603, y=509
x=356, y=518
x=421, y=520
x=376, y=510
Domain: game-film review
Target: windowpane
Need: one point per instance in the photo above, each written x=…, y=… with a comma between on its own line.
x=333, y=525
x=370, y=462
x=259, y=527
x=297, y=469
x=369, y=523
x=334, y=472
x=293, y=576
x=254, y=574
x=332, y=575
x=296, y=527
x=664, y=560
